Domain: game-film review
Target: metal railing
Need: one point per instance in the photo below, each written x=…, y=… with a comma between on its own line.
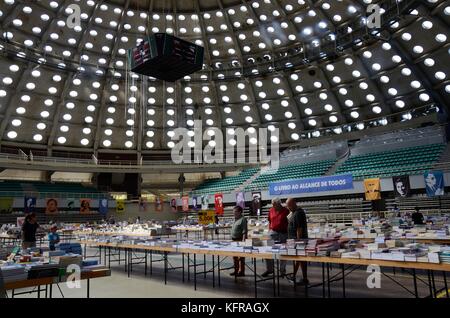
x=59, y=195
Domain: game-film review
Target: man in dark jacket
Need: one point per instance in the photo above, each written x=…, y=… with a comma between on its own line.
x=29, y=229
x=297, y=230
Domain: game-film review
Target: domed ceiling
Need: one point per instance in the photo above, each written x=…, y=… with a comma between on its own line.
x=267, y=63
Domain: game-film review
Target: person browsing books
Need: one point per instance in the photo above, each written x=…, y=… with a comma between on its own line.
x=417, y=217
x=239, y=232
x=278, y=226
x=29, y=229
x=297, y=229
x=53, y=237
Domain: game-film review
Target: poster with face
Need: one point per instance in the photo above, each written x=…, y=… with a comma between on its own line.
x=142, y=204
x=85, y=206
x=71, y=204
x=401, y=186
x=29, y=204
x=372, y=188
x=195, y=203
x=434, y=183
x=256, y=203
x=158, y=204
x=240, y=199
x=120, y=206
x=51, y=207
x=103, y=206
x=185, y=203
x=218, y=203
x=173, y=204
x=205, y=202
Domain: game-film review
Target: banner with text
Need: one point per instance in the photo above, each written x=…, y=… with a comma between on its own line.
x=320, y=184
x=206, y=217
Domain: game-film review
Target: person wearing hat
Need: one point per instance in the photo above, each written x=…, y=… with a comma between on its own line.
x=53, y=237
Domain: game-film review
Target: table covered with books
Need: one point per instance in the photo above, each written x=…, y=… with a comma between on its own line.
x=41, y=268
x=335, y=251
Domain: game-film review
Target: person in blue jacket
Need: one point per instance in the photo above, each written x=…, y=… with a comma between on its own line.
x=53, y=237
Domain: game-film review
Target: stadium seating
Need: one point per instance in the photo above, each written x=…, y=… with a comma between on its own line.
x=293, y=171
x=404, y=161
x=226, y=184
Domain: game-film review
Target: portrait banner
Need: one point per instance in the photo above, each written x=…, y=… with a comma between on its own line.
x=85, y=206
x=372, y=188
x=434, y=183
x=218, y=203
x=402, y=187
x=51, y=206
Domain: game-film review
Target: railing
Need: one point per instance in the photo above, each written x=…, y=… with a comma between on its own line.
x=100, y=162
x=59, y=195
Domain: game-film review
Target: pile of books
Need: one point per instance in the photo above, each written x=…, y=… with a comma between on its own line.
x=311, y=247
x=327, y=246
x=444, y=257
x=13, y=273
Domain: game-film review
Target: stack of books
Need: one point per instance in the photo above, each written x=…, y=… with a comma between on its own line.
x=444, y=257
x=13, y=273
x=353, y=254
x=311, y=247
x=327, y=246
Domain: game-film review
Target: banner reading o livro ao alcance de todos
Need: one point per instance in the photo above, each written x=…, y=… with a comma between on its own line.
x=319, y=184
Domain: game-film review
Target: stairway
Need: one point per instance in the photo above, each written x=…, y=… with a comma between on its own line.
x=338, y=163
x=248, y=181
x=444, y=159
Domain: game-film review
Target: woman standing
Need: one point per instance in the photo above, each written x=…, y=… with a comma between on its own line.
x=29, y=229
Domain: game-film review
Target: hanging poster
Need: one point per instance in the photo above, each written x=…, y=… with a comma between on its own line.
x=158, y=203
x=173, y=204
x=85, y=206
x=185, y=203
x=142, y=204
x=6, y=205
x=20, y=221
x=434, y=183
x=29, y=204
x=206, y=217
x=402, y=187
x=205, y=202
x=256, y=203
x=70, y=204
x=195, y=203
x=103, y=206
x=218, y=203
x=120, y=206
x=372, y=189
x=51, y=206
x=240, y=199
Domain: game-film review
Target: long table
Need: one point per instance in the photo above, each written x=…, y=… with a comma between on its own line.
x=49, y=281
x=218, y=256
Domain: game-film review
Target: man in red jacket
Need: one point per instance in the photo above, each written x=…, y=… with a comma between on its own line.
x=278, y=226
